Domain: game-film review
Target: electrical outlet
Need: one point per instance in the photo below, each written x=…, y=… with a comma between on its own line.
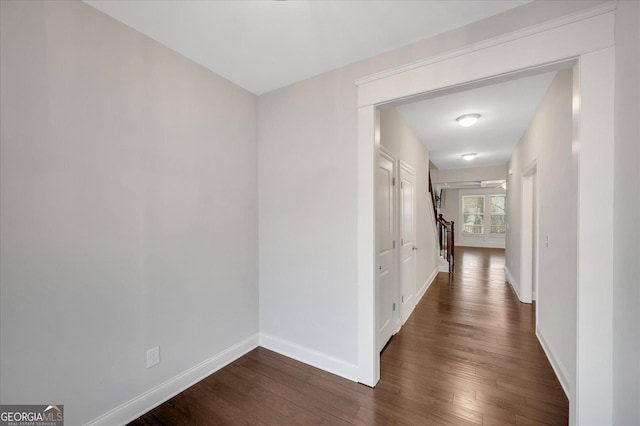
x=153, y=356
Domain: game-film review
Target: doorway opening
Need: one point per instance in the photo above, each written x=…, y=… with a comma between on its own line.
x=582, y=43
x=369, y=118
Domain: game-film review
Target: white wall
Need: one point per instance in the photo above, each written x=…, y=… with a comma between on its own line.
x=626, y=218
x=307, y=219
x=129, y=210
x=451, y=205
x=308, y=189
x=396, y=135
x=548, y=141
x=470, y=174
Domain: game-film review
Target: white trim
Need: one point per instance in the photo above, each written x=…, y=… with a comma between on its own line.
x=558, y=368
x=421, y=294
x=594, y=148
x=525, y=32
x=443, y=264
x=310, y=356
x=531, y=169
x=513, y=283
x=368, y=355
x=386, y=151
x=546, y=50
x=589, y=43
x=150, y=399
x=527, y=198
x=482, y=244
x=427, y=284
x=407, y=167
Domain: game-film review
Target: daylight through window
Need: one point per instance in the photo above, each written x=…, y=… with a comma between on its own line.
x=473, y=214
x=498, y=222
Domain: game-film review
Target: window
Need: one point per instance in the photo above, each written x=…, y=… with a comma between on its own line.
x=498, y=223
x=473, y=214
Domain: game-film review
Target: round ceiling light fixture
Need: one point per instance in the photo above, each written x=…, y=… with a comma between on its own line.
x=468, y=119
x=469, y=156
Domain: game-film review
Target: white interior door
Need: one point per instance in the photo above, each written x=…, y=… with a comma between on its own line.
x=385, y=227
x=534, y=294
x=407, y=240
x=526, y=250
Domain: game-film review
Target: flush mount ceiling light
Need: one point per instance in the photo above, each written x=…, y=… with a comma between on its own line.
x=468, y=119
x=469, y=156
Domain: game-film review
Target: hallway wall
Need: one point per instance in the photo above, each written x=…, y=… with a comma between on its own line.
x=129, y=212
x=450, y=208
x=548, y=141
x=469, y=174
x=396, y=135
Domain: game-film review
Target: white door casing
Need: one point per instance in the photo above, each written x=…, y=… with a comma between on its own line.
x=536, y=240
x=585, y=40
x=385, y=234
x=526, y=249
x=407, y=240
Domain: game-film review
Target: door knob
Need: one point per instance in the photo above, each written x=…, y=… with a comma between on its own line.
x=414, y=248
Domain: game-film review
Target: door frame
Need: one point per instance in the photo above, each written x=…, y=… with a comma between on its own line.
x=404, y=314
x=583, y=41
x=528, y=238
x=395, y=320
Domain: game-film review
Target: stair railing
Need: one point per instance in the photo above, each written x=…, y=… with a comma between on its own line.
x=446, y=235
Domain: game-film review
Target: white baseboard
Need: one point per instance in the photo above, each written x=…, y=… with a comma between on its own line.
x=310, y=356
x=558, y=368
x=420, y=294
x=427, y=284
x=145, y=402
x=498, y=245
x=507, y=275
x=443, y=264
x=512, y=282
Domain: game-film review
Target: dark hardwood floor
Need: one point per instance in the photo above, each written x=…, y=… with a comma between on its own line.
x=467, y=356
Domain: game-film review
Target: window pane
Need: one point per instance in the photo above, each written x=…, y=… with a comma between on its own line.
x=498, y=222
x=473, y=204
x=497, y=204
x=473, y=214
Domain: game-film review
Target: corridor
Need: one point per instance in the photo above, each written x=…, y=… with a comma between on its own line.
x=469, y=351
x=467, y=356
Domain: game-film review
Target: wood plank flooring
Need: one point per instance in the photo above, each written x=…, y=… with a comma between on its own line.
x=467, y=356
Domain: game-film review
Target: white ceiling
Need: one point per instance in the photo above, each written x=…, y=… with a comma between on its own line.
x=264, y=45
x=506, y=111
